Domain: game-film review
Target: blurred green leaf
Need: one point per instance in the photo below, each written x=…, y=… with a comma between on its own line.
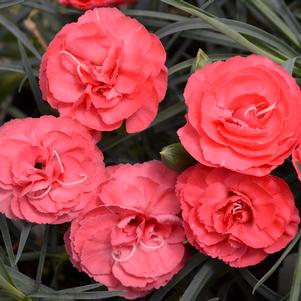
x=22, y=241
x=42, y=256
x=199, y=281
x=289, y=64
x=277, y=21
x=10, y=3
x=32, y=82
x=262, y=289
x=80, y=296
x=80, y=289
x=19, y=35
x=243, y=28
x=284, y=11
x=190, y=265
x=220, y=26
x=7, y=240
x=278, y=262
x=296, y=284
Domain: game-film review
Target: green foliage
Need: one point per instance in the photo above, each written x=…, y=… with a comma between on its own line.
x=33, y=263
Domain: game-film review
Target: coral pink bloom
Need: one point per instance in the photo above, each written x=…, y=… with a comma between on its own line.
x=243, y=114
x=104, y=69
x=50, y=169
x=238, y=218
x=134, y=241
x=88, y=4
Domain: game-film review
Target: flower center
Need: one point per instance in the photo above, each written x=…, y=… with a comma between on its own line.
x=135, y=234
x=240, y=212
x=39, y=165
x=39, y=194
x=258, y=111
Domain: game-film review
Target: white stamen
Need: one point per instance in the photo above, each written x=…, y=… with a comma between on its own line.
x=249, y=110
x=156, y=247
x=97, y=15
x=268, y=109
x=59, y=161
x=37, y=197
x=79, y=64
x=237, y=207
x=125, y=258
x=84, y=178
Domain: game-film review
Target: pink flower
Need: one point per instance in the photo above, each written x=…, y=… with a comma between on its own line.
x=88, y=4
x=238, y=218
x=50, y=169
x=134, y=241
x=243, y=114
x=104, y=69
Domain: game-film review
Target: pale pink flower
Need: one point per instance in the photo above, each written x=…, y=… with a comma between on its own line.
x=243, y=114
x=134, y=241
x=50, y=169
x=237, y=218
x=104, y=69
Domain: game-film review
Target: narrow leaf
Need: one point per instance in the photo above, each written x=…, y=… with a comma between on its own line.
x=42, y=256
x=191, y=264
x=275, y=20
x=221, y=27
x=10, y=3
x=7, y=240
x=277, y=263
x=19, y=35
x=80, y=296
x=23, y=238
x=200, y=280
x=289, y=64
x=32, y=81
x=262, y=290
x=296, y=285
x=81, y=289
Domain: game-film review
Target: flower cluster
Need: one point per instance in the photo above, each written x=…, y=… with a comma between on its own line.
x=129, y=223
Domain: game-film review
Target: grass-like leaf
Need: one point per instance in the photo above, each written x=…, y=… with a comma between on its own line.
x=241, y=27
x=22, y=241
x=43, y=6
x=79, y=296
x=32, y=81
x=191, y=264
x=296, y=284
x=25, y=283
x=200, y=280
x=220, y=26
x=154, y=15
x=284, y=11
x=11, y=27
x=278, y=262
x=42, y=256
x=275, y=19
x=10, y=3
x=7, y=240
x=289, y=64
x=262, y=289
x=81, y=289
